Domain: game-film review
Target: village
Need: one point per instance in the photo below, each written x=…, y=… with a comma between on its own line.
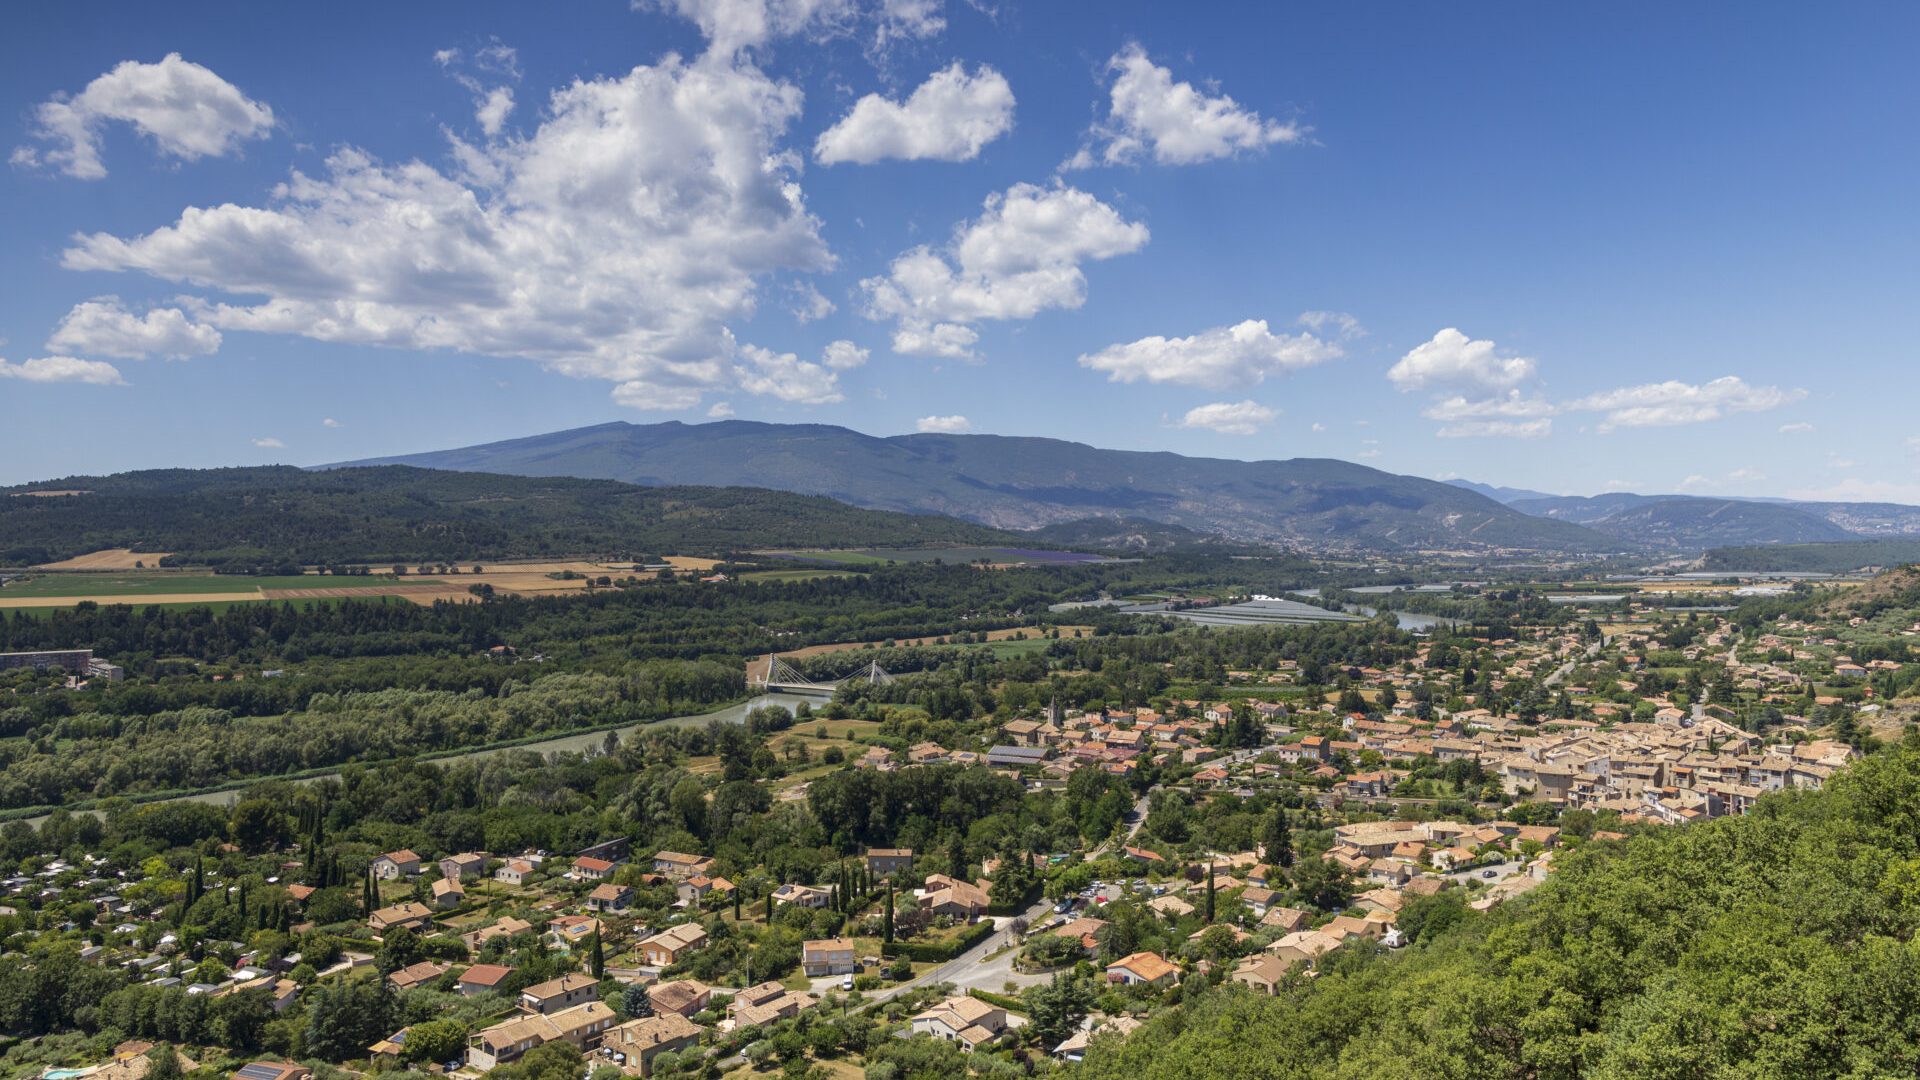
x=1386, y=795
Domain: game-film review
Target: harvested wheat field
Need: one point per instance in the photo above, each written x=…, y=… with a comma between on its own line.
x=424, y=592
x=136, y=599
x=683, y=562
x=110, y=559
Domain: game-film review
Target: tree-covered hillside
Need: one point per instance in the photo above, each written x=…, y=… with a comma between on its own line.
x=1775, y=945
x=1813, y=558
x=277, y=514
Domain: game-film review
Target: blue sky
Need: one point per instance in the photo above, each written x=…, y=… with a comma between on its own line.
x=1560, y=247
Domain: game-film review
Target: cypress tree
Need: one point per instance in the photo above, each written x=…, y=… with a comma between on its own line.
x=1279, y=840
x=887, y=931
x=1209, y=891
x=599, y=955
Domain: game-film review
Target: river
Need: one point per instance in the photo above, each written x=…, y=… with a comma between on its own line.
x=574, y=743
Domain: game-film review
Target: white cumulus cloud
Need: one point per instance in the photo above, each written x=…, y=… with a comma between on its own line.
x=1230, y=417
x=269, y=443
x=901, y=20
x=1451, y=359
x=188, y=111
x=62, y=369
x=720, y=410
x=1798, y=428
x=732, y=25
x=616, y=242
x=104, y=327
x=1665, y=404
x=1226, y=356
x=1505, y=429
x=1342, y=323
x=1174, y=122
x=330, y=422
x=948, y=118
x=787, y=377
x=842, y=355
x=1022, y=256
x=946, y=341
x=485, y=72
x=943, y=425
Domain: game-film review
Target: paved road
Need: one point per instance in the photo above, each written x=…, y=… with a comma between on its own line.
x=967, y=969
x=1138, y=817
x=1560, y=672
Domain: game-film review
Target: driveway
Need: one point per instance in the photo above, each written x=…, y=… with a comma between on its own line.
x=971, y=969
x=1501, y=871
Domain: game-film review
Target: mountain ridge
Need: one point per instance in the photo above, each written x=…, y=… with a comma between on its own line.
x=1031, y=482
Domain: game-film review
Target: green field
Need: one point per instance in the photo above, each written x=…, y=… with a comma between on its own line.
x=1012, y=647
x=83, y=585
x=871, y=556
x=794, y=575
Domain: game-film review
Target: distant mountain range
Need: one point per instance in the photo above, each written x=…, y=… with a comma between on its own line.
x=1500, y=494
x=1034, y=483
x=1690, y=522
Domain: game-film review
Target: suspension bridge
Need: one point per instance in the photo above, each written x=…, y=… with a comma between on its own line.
x=780, y=677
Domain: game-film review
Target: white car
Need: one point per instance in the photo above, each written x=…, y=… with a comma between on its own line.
x=846, y=983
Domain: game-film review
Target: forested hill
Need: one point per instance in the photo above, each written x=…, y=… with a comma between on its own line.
x=256, y=516
x=1778, y=944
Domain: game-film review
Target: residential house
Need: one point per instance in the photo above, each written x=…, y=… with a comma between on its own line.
x=507, y=926
x=640, y=1041
x=669, y=945
x=416, y=975
x=827, y=956
x=507, y=1042
x=555, y=995
x=805, y=896
x=1263, y=972
x=1303, y=947
x=765, y=1003
x=447, y=893
x=572, y=931
x=1084, y=929
x=412, y=915
x=395, y=865
x=470, y=864
x=965, y=1021
x=682, y=997
x=588, y=868
x=1022, y=732
x=1073, y=1049
x=679, y=864
x=695, y=889
x=1149, y=968
x=607, y=897
x=515, y=872
x=955, y=899
x=481, y=979
x=888, y=861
